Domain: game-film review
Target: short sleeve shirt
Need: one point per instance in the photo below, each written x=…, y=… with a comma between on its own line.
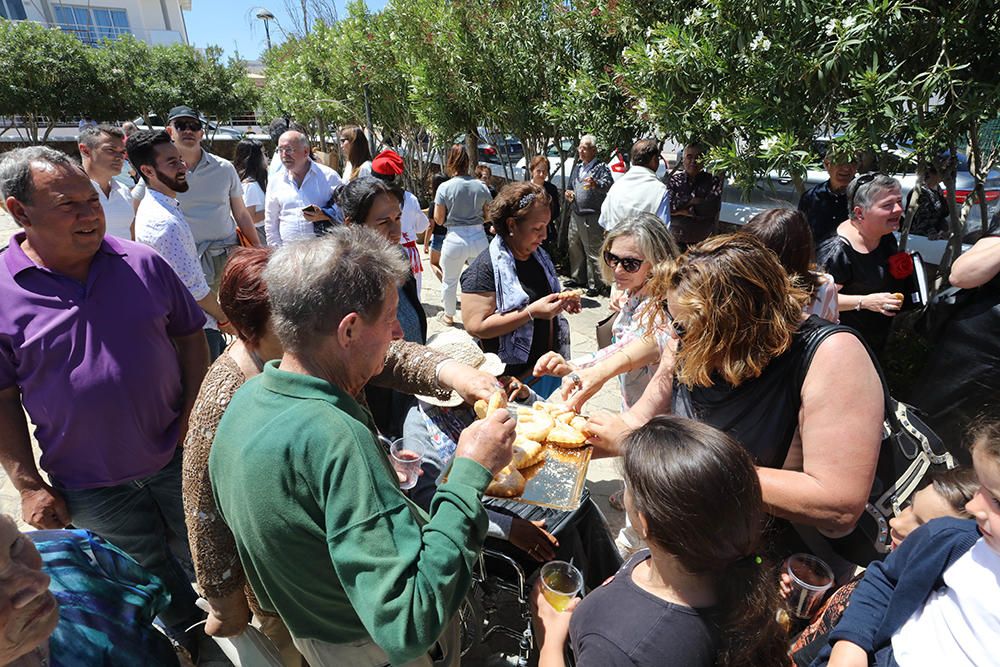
x=95, y=363
x=207, y=203
x=118, y=210
x=253, y=196
x=479, y=278
x=622, y=625
x=464, y=198
x=160, y=224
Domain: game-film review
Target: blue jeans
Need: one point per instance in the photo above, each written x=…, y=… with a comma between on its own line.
x=216, y=344
x=145, y=519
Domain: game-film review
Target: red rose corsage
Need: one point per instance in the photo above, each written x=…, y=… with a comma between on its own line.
x=901, y=265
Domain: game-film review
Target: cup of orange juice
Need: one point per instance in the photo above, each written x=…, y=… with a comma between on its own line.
x=561, y=582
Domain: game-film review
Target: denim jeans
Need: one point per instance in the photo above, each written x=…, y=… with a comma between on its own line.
x=216, y=344
x=145, y=519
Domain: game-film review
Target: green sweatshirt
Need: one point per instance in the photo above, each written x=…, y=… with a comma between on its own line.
x=327, y=539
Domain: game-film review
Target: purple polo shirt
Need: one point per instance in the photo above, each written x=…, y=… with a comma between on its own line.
x=98, y=373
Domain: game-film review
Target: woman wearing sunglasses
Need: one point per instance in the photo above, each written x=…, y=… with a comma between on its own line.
x=630, y=252
x=804, y=400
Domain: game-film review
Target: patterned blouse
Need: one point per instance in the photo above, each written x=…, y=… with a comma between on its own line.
x=628, y=326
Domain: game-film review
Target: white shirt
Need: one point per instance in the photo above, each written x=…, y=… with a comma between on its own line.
x=959, y=625
x=283, y=204
x=638, y=191
x=118, y=211
x=253, y=197
x=160, y=224
x=364, y=170
x=413, y=221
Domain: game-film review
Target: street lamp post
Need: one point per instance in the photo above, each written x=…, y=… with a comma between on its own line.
x=266, y=16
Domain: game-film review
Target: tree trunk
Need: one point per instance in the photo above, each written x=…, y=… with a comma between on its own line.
x=471, y=147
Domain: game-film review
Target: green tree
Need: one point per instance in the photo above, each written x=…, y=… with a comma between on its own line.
x=45, y=75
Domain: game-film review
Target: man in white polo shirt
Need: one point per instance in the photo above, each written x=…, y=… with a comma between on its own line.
x=301, y=184
x=102, y=151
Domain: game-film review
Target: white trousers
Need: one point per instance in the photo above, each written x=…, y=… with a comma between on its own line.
x=461, y=246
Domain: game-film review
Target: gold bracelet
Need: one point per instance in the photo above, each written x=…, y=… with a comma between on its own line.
x=631, y=363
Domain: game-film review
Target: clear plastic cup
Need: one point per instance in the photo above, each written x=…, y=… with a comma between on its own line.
x=561, y=582
x=406, y=460
x=810, y=578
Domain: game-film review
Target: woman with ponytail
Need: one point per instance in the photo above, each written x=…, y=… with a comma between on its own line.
x=700, y=595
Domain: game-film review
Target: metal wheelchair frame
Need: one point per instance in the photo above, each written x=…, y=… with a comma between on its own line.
x=479, y=610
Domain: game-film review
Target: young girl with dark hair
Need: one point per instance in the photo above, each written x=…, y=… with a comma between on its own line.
x=700, y=595
x=251, y=166
x=357, y=153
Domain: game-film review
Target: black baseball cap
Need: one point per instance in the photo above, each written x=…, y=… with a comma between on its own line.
x=182, y=112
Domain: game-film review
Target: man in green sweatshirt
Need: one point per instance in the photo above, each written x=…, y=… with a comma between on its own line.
x=359, y=574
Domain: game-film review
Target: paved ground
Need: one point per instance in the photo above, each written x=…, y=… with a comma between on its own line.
x=603, y=477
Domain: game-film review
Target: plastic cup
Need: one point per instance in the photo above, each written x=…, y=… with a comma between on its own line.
x=811, y=579
x=561, y=582
x=406, y=460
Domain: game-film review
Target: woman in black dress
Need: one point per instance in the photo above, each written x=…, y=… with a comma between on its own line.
x=858, y=257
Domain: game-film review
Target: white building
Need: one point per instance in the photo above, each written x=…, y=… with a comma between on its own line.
x=152, y=21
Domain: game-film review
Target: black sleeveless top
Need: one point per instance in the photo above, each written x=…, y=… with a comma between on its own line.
x=762, y=413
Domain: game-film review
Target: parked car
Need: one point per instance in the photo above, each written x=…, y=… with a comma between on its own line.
x=213, y=131
x=777, y=189
x=492, y=144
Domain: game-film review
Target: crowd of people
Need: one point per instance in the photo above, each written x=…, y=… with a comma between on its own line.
x=213, y=360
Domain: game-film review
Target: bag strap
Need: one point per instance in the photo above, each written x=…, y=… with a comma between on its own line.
x=816, y=337
x=813, y=340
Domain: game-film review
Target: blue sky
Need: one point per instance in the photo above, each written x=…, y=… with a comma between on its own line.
x=234, y=26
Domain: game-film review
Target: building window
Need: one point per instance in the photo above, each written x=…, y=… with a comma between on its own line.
x=12, y=9
x=92, y=24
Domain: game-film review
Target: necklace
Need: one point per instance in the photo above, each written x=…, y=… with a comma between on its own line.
x=258, y=362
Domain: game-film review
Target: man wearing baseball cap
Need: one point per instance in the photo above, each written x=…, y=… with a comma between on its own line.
x=388, y=166
x=213, y=204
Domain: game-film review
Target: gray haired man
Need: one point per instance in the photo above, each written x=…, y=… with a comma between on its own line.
x=589, y=183
x=358, y=573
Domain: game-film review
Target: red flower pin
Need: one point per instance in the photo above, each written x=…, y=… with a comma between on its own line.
x=901, y=265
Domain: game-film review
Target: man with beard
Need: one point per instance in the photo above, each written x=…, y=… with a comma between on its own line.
x=160, y=223
x=102, y=346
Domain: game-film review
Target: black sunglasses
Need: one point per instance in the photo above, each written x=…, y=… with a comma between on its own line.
x=193, y=125
x=679, y=329
x=630, y=264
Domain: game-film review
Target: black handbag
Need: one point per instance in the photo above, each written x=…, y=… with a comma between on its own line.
x=910, y=450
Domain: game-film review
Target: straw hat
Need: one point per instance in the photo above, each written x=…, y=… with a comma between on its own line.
x=460, y=346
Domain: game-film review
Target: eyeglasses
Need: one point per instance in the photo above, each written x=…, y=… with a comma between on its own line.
x=184, y=125
x=287, y=150
x=630, y=264
x=679, y=329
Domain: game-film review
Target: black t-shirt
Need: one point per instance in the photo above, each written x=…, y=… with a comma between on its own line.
x=824, y=209
x=479, y=278
x=862, y=273
x=622, y=625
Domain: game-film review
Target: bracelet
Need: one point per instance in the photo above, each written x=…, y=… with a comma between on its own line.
x=631, y=363
x=860, y=301
x=223, y=324
x=530, y=316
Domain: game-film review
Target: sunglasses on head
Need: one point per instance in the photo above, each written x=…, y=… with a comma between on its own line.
x=184, y=125
x=679, y=329
x=630, y=264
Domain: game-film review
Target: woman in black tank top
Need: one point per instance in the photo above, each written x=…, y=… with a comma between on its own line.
x=809, y=414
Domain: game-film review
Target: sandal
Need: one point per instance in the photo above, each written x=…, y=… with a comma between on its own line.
x=617, y=499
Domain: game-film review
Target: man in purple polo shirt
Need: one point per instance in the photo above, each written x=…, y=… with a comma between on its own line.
x=103, y=346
